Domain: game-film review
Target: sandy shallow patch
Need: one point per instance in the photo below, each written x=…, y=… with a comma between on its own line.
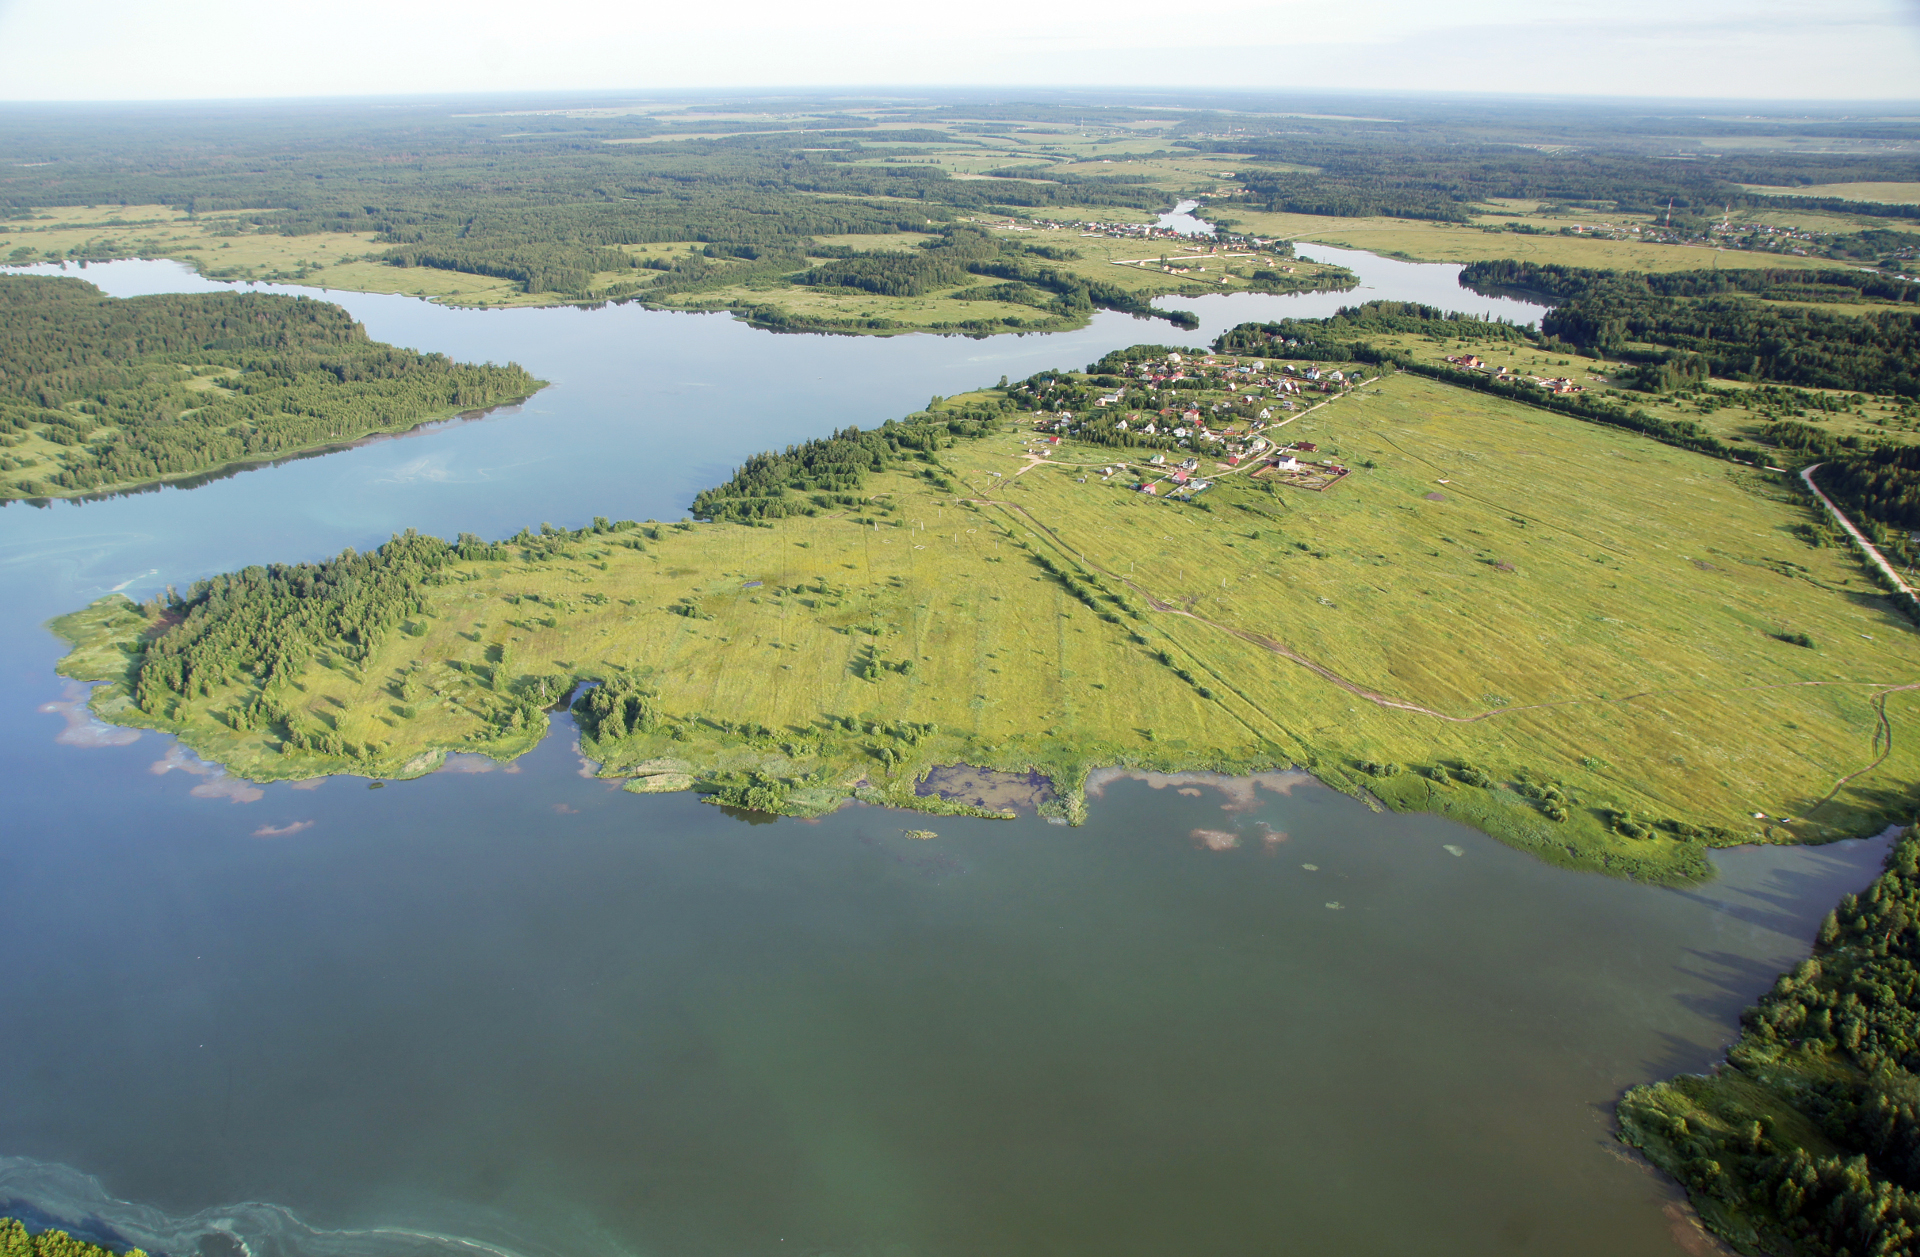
x=83, y=727
x=217, y=784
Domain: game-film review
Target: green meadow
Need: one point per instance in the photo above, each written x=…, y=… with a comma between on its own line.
x=1604, y=650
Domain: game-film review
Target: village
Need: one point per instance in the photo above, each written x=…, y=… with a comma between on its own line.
x=1234, y=425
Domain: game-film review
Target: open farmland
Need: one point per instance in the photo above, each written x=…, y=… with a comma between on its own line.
x=1567, y=635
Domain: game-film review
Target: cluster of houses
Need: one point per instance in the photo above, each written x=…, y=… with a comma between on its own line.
x=1725, y=234
x=1247, y=384
x=1553, y=384
x=1234, y=443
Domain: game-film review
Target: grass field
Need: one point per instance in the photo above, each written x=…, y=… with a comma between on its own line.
x=1452, y=242
x=1099, y=261
x=1876, y=420
x=1496, y=595
x=1885, y=193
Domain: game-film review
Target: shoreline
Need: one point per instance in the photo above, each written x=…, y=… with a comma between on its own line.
x=221, y=471
x=738, y=309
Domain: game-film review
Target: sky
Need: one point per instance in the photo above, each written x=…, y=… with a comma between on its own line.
x=1828, y=50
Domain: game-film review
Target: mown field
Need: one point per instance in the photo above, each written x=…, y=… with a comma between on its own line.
x=1884, y=193
x=1715, y=404
x=1500, y=615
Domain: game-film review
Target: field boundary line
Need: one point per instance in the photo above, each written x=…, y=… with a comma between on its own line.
x=1859, y=538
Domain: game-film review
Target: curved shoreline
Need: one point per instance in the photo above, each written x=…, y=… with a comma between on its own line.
x=221, y=471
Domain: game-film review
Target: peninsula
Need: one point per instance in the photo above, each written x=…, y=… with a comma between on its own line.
x=1595, y=637
x=100, y=393
x=1808, y=1140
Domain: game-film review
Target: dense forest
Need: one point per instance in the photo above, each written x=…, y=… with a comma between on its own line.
x=262, y=626
x=1810, y=1135
x=17, y=1241
x=1880, y=485
x=1731, y=321
x=147, y=388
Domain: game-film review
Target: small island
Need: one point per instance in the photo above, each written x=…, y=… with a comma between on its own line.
x=100, y=393
x=1606, y=640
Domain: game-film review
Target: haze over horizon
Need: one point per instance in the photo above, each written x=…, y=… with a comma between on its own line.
x=1853, y=50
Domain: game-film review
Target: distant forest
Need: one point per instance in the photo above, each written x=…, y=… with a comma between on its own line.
x=1433, y=160
x=547, y=199
x=543, y=202
x=147, y=388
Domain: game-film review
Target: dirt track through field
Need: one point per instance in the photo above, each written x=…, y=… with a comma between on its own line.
x=1400, y=704
x=1883, y=726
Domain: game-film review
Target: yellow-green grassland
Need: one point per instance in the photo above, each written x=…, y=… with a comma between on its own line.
x=1588, y=644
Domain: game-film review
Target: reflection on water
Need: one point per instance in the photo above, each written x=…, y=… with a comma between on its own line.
x=529, y=1010
x=1181, y=219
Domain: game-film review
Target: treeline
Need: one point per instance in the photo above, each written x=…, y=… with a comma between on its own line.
x=145, y=388
x=258, y=629
x=1810, y=1136
x=264, y=625
x=1343, y=338
x=1714, y=316
x=829, y=471
x=959, y=252
x=17, y=1241
x=1328, y=339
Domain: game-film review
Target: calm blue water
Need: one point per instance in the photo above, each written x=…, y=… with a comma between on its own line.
x=522, y=1009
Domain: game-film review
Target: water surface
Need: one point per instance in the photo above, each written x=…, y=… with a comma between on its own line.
x=1181, y=219
x=525, y=1009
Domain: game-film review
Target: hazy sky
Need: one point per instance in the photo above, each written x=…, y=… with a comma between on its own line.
x=1754, y=49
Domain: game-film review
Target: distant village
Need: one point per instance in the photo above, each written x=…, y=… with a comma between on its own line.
x=1190, y=250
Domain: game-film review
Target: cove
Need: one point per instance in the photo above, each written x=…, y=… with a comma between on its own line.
x=522, y=1009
